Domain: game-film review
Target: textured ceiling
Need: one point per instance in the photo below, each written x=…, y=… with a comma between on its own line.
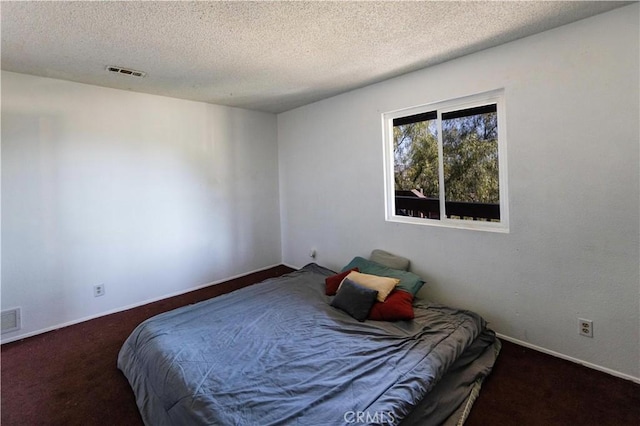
x=269, y=56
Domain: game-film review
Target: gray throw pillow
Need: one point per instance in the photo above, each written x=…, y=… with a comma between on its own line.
x=355, y=299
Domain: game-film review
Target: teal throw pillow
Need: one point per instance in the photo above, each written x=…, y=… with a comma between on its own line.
x=408, y=280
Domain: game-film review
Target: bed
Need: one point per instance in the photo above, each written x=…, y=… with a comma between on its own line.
x=279, y=353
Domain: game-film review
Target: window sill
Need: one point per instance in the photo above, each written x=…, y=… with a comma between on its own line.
x=452, y=223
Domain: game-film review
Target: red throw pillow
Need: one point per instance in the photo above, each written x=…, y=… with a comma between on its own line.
x=333, y=282
x=398, y=306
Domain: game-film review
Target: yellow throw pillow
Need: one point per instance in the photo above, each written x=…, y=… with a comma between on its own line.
x=384, y=285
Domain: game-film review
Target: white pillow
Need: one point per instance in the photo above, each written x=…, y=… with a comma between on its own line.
x=384, y=285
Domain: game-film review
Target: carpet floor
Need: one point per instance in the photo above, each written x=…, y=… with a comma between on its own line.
x=69, y=377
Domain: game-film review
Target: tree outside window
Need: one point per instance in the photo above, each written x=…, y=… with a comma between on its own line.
x=447, y=159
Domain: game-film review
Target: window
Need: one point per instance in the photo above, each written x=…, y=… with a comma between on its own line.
x=446, y=165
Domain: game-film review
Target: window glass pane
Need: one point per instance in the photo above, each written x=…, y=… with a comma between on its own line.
x=470, y=158
x=415, y=149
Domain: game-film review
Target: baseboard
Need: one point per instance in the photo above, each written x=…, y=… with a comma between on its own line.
x=555, y=354
x=178, y=293
x=127, y=307
x=570, y=358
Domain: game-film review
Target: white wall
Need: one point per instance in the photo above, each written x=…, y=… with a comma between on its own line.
x=572, y=108
x=148, y=195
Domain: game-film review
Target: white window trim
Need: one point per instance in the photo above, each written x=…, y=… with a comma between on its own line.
x=495, y=96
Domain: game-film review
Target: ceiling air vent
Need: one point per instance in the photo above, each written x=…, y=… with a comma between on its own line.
x=126, y=71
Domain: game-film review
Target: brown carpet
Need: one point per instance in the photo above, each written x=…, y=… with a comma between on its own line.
x=69, y=377
x=527, y=387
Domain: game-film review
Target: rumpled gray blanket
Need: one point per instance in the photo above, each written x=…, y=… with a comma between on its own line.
x=276, y=353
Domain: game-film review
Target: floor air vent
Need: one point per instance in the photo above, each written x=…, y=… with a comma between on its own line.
x=11, y=320
x=126, y=71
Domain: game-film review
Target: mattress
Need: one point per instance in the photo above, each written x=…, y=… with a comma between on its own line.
x=277, y=353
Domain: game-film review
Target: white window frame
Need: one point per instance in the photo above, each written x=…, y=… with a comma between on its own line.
x=497, y=97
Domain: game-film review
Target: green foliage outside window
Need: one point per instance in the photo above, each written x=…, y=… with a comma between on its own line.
x=470, y=158
x=416, y=157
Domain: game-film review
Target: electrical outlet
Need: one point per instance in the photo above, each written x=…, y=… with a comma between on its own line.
x=98, y=290
x=585, y=327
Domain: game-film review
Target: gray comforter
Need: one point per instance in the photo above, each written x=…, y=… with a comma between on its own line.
x=278, y=353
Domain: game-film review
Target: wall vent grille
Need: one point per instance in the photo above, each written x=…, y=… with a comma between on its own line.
x=126, y=71
x=11, y=320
